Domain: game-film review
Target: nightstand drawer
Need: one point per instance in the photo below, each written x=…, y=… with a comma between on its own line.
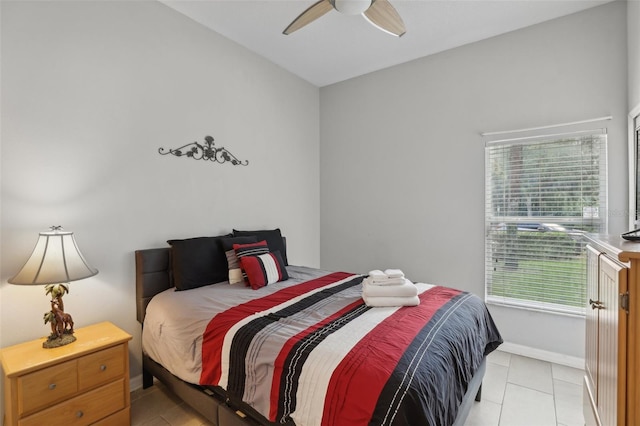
x=101, y=367
x=82, y=410
x=41, y=388
x=121, y=418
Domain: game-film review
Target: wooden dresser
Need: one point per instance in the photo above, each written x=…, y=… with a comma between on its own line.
x=612, y=353
x=85, y=382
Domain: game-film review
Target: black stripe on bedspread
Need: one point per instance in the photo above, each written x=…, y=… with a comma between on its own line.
x=432, y=376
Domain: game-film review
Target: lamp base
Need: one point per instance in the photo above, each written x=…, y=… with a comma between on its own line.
x=53, y=341
x=61, y=322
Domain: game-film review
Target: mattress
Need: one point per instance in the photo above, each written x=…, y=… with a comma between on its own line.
x=309, y=351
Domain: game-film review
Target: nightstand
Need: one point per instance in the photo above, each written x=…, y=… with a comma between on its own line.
x=85, y=382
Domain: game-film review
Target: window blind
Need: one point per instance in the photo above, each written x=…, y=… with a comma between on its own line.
x=541, y=194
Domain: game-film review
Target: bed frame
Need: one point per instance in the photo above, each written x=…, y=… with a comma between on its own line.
x=154, y=275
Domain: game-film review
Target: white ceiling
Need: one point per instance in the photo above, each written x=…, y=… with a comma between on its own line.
x=337, y=47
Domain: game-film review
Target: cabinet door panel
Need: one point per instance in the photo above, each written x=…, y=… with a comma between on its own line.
x=589, y=408
x=591, y=322
x=611, y=342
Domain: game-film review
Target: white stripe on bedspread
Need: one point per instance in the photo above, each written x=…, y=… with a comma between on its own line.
x=325, y=358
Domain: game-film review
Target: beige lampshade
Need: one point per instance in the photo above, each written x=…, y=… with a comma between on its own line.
x=55, y=259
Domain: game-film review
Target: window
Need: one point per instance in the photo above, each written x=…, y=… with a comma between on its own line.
x=541, y=194
x=636, y=141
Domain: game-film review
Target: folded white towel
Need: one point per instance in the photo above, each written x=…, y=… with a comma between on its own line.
x=394, y=273
x=377, y=274
x=407, y=289
x=387, y=281
x=390, y=301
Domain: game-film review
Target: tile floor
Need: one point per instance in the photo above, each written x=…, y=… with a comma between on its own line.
x=517, y=391
x=520, y=391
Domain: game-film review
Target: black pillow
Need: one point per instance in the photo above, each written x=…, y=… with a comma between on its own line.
x=198, y=262
x=273, y=238
x=228, y=242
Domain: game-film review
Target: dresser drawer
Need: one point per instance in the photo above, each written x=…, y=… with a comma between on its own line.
x=82, y=410
x=121, y=418
x=101, y=367
x=46, y=386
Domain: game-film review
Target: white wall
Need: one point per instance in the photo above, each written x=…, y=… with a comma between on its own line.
x=90, y=91
x=402, y=161
x=633, y=40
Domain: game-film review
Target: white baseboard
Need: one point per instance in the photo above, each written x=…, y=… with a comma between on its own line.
x=554, y=357
x=135, y=383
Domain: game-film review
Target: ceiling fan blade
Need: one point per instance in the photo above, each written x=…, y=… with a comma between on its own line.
x=384, y=16
x=311, y=14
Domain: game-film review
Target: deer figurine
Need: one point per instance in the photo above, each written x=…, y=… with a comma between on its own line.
x=62, y=321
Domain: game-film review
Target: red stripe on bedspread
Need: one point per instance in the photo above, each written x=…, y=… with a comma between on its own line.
x=357, y=381
x=286, y=348
x=220, y=324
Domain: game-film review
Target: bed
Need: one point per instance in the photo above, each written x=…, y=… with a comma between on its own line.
x=306, y=350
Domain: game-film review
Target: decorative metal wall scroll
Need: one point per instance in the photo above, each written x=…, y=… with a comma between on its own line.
x=208, y=151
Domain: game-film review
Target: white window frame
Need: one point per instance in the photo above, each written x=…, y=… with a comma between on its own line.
x=531, y=134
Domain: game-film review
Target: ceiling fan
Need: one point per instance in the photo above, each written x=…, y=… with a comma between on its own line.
x=380, y=13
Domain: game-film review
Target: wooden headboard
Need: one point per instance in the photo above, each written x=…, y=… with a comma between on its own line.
x=153, y=275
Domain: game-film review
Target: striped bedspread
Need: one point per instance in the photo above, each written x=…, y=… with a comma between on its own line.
x=312, y=353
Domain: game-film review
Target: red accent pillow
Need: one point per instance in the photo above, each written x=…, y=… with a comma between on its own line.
x=249, y=249
x=264, y=269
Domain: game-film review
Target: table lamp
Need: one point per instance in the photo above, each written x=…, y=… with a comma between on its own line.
x=55, y=261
